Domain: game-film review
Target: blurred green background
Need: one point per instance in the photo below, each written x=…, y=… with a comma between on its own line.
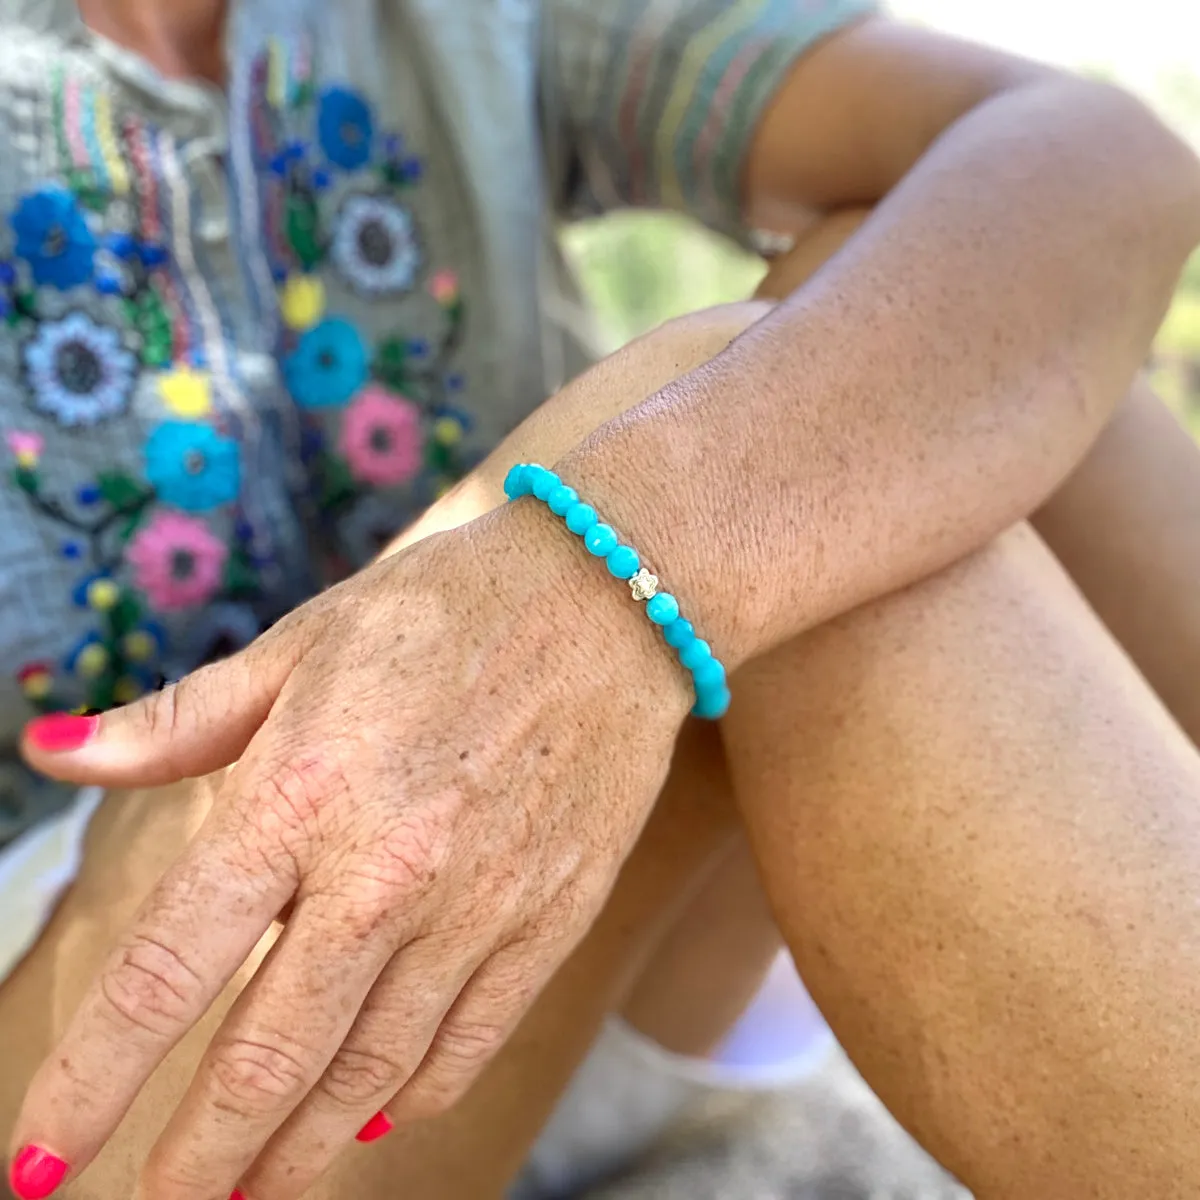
x=641, y=268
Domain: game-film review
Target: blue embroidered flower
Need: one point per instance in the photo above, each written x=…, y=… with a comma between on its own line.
x=191, y=466
x=328, y=366
x=79, y=371
x=345, y=128
x=54, y=238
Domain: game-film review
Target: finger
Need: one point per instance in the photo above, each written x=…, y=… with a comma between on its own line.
x=191, y=935
x=477, y=1025
x=384, y=1047
x=270, y=1050
x=191, y=728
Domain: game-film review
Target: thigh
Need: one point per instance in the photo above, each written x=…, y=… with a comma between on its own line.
x=979, y=831
x=471, y=1152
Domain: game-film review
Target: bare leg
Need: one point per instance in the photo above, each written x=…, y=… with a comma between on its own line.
x=980, y=834
x=1126, y=526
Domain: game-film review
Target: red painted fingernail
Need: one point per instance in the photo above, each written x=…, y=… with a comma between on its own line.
x=236, y=1195
x=60, y=732
x=35, y=1173
x=375, y=1128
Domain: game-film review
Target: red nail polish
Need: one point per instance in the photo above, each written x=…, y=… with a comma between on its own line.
x=236, y=1194
x=35, y=1173
x=59, y=732
x=375, y=1128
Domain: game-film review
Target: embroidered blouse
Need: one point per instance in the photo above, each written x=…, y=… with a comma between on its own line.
x=247, y=335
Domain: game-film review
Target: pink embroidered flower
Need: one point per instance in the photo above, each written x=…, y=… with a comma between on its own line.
x=26, y=447
x=443, y=287
x=381, y=437
x=177, y=561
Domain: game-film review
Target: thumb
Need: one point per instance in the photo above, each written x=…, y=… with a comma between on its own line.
x=188, y=729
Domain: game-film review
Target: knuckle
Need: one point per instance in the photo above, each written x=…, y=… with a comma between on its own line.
x=464, y=1048
x=412, y=853
x=291, y=796
x=256, y=1074
x=150, y=987
x=356, y=1078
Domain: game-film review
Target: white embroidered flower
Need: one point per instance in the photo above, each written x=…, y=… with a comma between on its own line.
x=79, y=371
x=375, y=245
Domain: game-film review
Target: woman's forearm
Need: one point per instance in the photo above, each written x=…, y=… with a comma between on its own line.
x=932, y=384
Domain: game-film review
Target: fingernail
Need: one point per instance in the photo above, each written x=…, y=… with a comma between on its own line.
x=59, y=732
x=236, y=1195
x=35, y=1173
x=375, y=1128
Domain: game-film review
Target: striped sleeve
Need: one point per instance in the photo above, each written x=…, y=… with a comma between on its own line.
x=653, y=103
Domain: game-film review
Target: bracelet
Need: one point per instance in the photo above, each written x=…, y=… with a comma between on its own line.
x=708, y=675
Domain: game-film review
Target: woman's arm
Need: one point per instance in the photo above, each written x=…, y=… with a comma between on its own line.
x=943, y=373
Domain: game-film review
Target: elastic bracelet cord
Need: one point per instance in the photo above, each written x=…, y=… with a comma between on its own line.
x=624, y=562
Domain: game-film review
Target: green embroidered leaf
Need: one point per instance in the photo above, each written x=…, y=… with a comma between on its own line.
x=131, y=524
x=101, y=692
x=439, y=457
x=123, y=617
x=25, y=303
x=26, y=478
x=119, y=489
x=241, y=579
x=302, y=223
x=336, y=486
x=391, y=363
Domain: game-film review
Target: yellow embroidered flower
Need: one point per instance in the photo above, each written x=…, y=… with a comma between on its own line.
x=138, y=646
x=302, y=301
x=36, y=680
x=102, y=594
x=186, y=392
x=92, y=661
x=448, y=431
x=127, y=689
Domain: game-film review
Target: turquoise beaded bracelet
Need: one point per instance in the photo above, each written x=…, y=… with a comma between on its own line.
x=708, y=675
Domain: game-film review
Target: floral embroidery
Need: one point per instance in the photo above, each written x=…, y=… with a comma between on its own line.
x=302, y=302
x=186, y=392
x=36, y=679
x=26, y=448
x=328, y=365
x=79, y=371
x=345, y=128
x=177, y=561
x=54, y=238
x=443, y=287
x=381, y=438
x=375, y=246
x=191, y=466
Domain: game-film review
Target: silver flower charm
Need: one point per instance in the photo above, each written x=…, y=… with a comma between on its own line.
x=643, y=585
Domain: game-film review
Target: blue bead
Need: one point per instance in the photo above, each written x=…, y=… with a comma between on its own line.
x=679, y=633
x=109, y=285
x=8, y=274
x=624, y=562
x=600, y=540
x=711, y=706
x=561, y=499
x=694, y=653
x=709, y=676
x=662, y=609
x=580, y=518
x=544, y=484
x=514, y=482
x=153, y=254
x=533, y=472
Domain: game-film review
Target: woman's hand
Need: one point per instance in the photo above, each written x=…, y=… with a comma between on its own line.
x=442, y=764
